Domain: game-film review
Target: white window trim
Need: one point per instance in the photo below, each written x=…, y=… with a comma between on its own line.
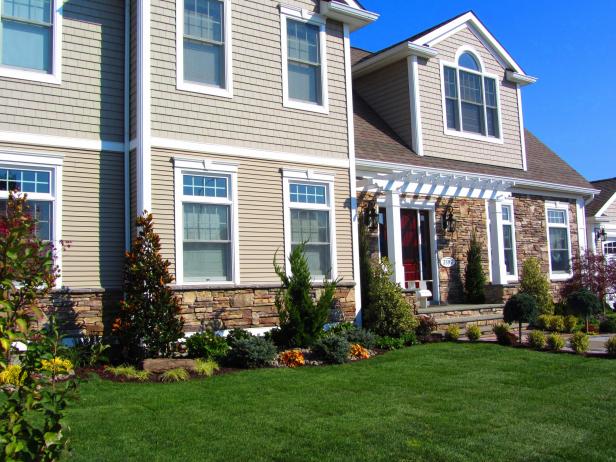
x=296, y=14
x=460, y=133
x=558, y=206
x=510, y=278
x=206, y=167
x=53, y=164
x=55, y=77
x=320, y=178
x=196, y=87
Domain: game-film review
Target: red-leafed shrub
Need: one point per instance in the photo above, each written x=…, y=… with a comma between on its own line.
x=594, y=273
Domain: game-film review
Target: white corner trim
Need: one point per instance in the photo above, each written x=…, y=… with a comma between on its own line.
x=196, y=87
x=415, y=105
x=522, y=134
x=606, y=206
x=220, y=149
x=580, y=218
x=53, y=164
x=55, y=77
x=126, y=127
x=144, y=152
x=489, y=241
x=438, y=34
x=348, y=77
x=53, y=141
x=294, y=176
x=311, y=18
x=229, y=171
x=461, y=133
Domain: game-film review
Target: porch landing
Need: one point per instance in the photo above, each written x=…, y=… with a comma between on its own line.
x=464, y=315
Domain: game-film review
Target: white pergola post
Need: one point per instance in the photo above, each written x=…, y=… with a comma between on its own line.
x=499, y=269
x=394, y=236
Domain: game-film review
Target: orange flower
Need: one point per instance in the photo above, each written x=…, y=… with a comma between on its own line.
x=359, y=352
x=291, y=358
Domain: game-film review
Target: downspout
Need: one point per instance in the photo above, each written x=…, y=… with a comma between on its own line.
x=127, y=38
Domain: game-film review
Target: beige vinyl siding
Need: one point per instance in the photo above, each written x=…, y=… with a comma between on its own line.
x=611, y=212
x=92, y=215
x=89, y=102
x=254, y=117
x=387, y=92
x=261, y=227
x=438, y=144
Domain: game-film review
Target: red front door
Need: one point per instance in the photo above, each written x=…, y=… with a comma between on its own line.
x=410, y=245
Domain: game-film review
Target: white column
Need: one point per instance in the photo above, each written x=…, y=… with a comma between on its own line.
x=580, y=209
x=144, y=148
x=499, y=269
x=394, y=236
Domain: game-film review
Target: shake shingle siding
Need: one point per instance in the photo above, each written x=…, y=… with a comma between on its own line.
x=89, y=102
x=255, y=116
x=438, y=144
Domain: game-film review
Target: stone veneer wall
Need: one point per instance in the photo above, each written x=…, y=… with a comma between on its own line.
x=92, y=311
x=531, y=240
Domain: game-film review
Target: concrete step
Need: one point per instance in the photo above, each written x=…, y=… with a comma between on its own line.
x=441, y=309
x=469, y=319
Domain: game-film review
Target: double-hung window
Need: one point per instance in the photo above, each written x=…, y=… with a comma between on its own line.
x=37, y=184
x=509, y=240
x=310, y=221
x=204, y=48
x=609, y=249
x=559, y=241
x=29, y=45
x=206, y=217
x=470, y=99
x=304, y=61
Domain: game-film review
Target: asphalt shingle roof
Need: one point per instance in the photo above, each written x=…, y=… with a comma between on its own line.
x=608, y=189
x=375, y=140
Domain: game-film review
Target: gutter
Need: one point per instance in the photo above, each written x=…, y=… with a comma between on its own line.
x=390, y=166
x=395, y=54
x=353, y=17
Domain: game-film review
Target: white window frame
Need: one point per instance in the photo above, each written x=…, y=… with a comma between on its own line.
x=297, y=14
x=55, y=76
x=564, y=206
x=53, y=165
x=196, y=87
x=290, y=176
x=461, y=133
x=509, y=204
x=214, y=168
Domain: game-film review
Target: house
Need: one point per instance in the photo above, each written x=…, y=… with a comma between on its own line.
x=227, y=119
x=235, y=122
x=442, y=154
x=601, y=219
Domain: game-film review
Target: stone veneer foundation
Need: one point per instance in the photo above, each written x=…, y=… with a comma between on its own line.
x=93, y=311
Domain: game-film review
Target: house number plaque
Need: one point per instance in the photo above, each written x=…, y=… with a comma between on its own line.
x=448, y=262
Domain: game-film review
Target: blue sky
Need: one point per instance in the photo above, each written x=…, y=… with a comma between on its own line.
x=570, y=46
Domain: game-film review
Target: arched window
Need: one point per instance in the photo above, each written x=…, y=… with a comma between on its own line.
x=470, y=97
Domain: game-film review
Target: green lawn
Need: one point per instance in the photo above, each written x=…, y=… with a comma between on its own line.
x=432, y=402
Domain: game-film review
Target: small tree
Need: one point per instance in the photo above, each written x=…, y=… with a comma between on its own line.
x=584, y=303
x=535, y=283
x=593, y=272
x=474, y=277
x=301, y=318
x=520, y=308
x=385, y=309
x=31, y=415
x=149, y=321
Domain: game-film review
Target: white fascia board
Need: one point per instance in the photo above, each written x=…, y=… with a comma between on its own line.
x=516, y=182
x=397, y=53
x=520, y=79
x=605, y=206
x=436, y=35
x=355, y=18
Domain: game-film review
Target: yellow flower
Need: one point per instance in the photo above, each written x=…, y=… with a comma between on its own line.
x=57, y=365
x=12, y=375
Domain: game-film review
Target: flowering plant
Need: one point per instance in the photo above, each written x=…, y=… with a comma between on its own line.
x=359, y=352
x=292, y=358
x=12, y=375
x=57, y=365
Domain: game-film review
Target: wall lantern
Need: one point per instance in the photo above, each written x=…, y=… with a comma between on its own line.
x=449, y=222
x=371, y=217
x=600, y=235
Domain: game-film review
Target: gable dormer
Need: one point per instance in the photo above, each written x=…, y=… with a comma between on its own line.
x=451, y=92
